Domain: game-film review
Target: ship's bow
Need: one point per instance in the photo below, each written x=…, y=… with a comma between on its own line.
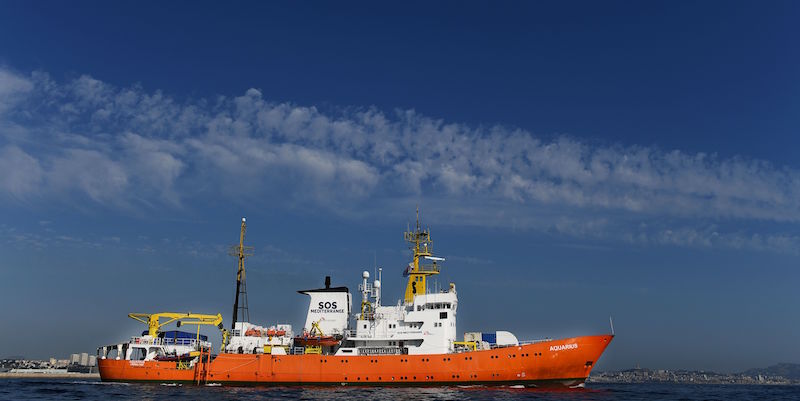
x=565, y=362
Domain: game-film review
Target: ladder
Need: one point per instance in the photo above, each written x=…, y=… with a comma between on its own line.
x=201, y=367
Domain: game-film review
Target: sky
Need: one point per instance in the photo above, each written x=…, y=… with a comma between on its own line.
x=574, y=161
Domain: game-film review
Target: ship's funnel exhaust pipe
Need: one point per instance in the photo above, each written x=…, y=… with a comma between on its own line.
x=327, y=282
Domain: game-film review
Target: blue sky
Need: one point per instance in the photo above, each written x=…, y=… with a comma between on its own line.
x=574, y=161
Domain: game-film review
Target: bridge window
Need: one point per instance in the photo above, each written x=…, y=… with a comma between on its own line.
x=137, y=354
x=442, y=315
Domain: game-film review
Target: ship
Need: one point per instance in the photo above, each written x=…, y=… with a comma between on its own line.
x=412, y=342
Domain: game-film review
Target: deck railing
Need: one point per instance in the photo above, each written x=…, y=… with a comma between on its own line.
x=186, y=342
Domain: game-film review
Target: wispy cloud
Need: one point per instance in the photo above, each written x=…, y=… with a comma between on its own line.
x=131, y=149
x=710, y=236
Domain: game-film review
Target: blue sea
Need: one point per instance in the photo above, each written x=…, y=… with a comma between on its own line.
x=65, y=389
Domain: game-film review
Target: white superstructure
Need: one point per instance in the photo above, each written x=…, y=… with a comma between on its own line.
x=425, y=326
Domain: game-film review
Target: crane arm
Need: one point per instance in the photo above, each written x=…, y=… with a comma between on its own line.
x=154, y=323
x=316, y=330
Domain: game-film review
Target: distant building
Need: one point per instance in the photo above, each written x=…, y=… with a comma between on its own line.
x=74, y=359
x=84, y=359
x=92, y=360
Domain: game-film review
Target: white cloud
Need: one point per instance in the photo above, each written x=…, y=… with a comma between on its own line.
x=122, y=147
x=707, y=237
x=20, y=173
x=13, y=87
x=90, y=172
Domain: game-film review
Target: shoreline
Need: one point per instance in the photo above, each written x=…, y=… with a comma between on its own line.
x=695, y=383
x=40, y=375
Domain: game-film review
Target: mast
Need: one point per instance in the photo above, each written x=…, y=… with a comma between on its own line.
x=241, y=252
x=421, y=244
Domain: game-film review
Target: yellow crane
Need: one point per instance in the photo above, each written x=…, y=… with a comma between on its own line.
x=316, y=330
x=154, y=323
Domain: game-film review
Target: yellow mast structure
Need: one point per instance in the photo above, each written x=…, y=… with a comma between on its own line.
x=241, y=251
x=422, y=245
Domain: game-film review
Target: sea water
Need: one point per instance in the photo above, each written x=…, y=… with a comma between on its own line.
x=65, y=389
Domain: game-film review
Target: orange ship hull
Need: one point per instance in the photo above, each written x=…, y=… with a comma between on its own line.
x=565, y=362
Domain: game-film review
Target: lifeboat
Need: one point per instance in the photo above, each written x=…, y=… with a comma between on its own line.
x=316, y=341
x=276, y=333
x=253, y=333
x=316, y=338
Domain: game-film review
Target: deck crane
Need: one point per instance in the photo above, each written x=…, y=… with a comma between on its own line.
x=154, y=324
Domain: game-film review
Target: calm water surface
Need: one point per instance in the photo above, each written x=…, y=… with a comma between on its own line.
x=65, y=389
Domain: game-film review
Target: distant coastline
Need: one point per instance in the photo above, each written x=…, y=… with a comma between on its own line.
x=45, y=374
x=781, y=374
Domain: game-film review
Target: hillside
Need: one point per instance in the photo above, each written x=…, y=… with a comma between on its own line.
x=787, y=370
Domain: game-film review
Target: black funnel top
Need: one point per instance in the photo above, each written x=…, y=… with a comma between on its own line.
x=327, y=288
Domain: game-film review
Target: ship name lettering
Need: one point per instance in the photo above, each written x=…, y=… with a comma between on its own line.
x=563, y=347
